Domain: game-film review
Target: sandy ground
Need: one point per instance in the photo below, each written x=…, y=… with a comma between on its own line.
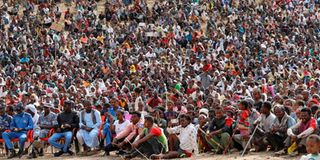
x=234, y=156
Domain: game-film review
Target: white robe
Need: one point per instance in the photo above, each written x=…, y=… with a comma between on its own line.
x=89, y=138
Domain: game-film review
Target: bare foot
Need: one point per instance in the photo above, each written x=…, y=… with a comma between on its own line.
x=156, y=156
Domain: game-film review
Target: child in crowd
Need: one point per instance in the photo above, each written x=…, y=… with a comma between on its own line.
x=313, y=148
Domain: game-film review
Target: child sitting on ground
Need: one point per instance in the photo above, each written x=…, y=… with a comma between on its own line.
x=313, y=148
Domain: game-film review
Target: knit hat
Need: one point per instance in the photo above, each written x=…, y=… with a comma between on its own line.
x=204, y=111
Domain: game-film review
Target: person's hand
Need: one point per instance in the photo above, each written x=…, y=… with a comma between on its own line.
x=89, y=129
x=236, y=129
x=110, y=118
x=274, y=129
x=83, y=127
x=121, y=144
x=294, y=138
x=169, y=124
x=210, y=135
x=115, y=140
x=135, y=145
x=67, y=126
x=15, y=129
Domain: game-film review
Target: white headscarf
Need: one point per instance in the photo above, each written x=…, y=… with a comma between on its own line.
x=35, y=117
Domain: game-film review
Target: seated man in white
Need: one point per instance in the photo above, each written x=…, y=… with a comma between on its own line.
x=90, y=121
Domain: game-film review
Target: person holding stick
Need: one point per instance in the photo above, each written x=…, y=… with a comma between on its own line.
x=265, y=126
x=220, y=128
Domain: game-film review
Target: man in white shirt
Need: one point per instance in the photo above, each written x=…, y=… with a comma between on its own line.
x=137, y=92
x=90, y=122
x=186, y=145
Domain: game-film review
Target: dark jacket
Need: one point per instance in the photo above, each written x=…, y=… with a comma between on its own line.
x=217, y=124
x=68, y=118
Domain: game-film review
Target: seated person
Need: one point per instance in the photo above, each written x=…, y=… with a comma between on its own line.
x=47, y=120
x=128, y=134
x=67, y=121
x=279, y=128
x=313, y=145
x=90, y=121
x=5, y=119
x=20, y=125
x=186, y=144
x=117, y=127
x=264, y=123
x=151, y=141
x=299, y=132
x=202, y=127
x=243, y=125
x=220, y=129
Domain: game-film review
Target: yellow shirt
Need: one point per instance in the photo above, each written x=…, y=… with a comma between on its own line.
x=100, y=39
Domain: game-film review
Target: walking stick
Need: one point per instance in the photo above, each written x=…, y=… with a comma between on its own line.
x=27, y=148
x=255, y=129
x=229, y=143
x=212, y=140
x=139, y=152
x=230, y=140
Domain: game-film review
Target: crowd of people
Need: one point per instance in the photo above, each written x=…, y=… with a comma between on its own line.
x=170, y=79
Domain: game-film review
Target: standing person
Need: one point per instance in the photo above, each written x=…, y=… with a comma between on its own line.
x=20, y=125
x=151, y=141
x=279, y=128
x=67, y=121
x=90, y=122
x=186, y=145
x=47, y=121
x=137, y=93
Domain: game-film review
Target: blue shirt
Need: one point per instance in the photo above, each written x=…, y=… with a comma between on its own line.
x=113, y=112
x=5, y=121
x=22, y=120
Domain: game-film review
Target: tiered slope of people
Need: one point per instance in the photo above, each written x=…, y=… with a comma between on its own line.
x=161, y=79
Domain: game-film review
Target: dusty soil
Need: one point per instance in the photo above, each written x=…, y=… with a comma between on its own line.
x=234, y=156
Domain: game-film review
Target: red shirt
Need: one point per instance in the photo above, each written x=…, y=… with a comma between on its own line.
x=154, y=102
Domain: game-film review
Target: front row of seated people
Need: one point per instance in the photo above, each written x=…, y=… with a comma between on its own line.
x=142, y=135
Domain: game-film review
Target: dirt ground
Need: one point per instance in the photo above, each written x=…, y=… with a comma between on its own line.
x=234, y=156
